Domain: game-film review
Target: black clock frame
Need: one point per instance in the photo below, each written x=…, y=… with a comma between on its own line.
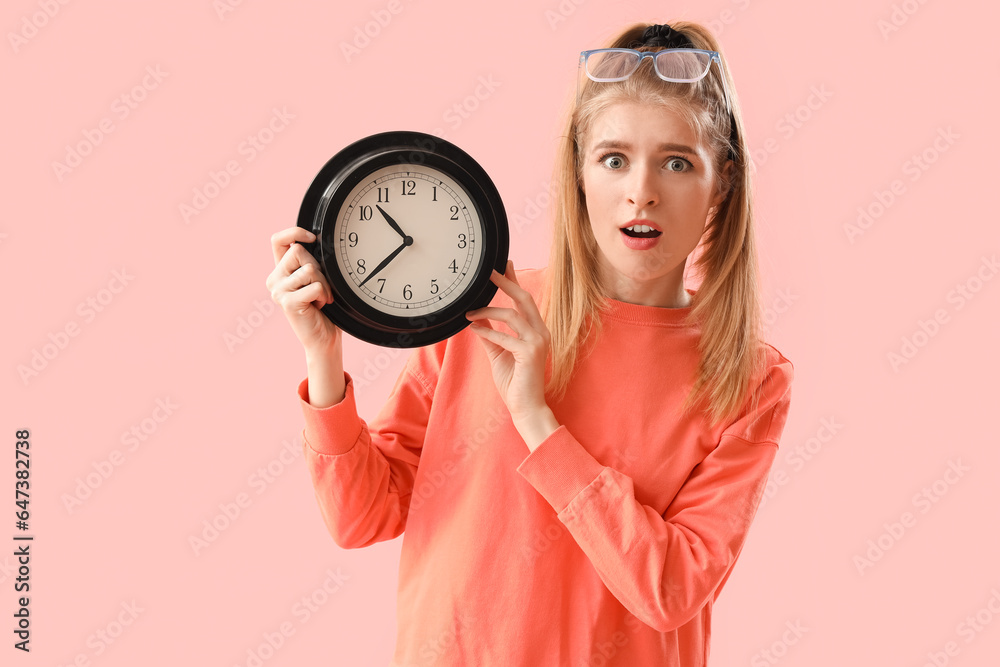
x=319, y=214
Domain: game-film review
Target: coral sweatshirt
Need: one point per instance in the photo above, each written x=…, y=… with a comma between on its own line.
x=606, y=545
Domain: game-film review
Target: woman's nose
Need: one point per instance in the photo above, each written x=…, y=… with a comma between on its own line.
x=642, y=189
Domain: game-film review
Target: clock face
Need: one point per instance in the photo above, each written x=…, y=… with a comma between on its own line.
x=409, y=240
x=409, y=230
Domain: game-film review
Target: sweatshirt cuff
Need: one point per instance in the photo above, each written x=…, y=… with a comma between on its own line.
x=559, y=468
x=334, y=429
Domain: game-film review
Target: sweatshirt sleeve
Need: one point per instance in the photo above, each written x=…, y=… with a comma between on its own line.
x=664, y=568
x=362, y=476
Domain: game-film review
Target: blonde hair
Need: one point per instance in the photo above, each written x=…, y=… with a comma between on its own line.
x=727, y=304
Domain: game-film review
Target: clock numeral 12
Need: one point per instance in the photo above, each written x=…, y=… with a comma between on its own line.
x=408, y=184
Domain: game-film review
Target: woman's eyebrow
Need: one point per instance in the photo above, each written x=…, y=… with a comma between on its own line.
x=665, y=147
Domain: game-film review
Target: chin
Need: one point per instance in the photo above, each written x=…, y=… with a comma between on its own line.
x=647, y=268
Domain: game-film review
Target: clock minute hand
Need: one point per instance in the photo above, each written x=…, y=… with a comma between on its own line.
x=392, y=223
x=406, y=241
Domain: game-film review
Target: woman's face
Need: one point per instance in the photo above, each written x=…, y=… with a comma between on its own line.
x=643, y=164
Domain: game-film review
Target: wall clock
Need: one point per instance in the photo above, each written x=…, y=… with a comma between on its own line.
x=409, y=228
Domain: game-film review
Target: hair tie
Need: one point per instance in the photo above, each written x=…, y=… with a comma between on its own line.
x=662, y=35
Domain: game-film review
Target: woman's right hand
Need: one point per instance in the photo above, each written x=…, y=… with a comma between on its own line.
x=298, y=285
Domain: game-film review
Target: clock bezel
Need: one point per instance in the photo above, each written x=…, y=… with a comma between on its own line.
x=321, y=211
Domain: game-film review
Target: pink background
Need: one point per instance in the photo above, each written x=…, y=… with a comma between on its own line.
x=873, y=435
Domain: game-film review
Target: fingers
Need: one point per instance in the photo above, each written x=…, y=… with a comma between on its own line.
x=490, y=337
x=496, y=341
x=297, y=269
x=510, y=317
x=522, y=299
x=304, y=276
x=311, y=293
x=509, y=272
x=303, y=287
x=527, y=348
x=280, y=241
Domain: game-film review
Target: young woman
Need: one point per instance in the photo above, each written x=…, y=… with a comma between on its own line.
x=576, y=472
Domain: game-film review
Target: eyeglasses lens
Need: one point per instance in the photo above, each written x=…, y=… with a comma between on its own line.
x=611, y=65
x=678, y=65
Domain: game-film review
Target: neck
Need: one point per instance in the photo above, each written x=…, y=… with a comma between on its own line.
x=661, y=292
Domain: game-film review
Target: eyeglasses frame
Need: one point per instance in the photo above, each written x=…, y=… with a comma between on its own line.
x=715, y=57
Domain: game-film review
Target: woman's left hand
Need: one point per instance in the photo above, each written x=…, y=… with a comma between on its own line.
x=518, y=362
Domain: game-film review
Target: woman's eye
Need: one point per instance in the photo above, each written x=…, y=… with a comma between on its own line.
x=676, y=161
x=612, y=161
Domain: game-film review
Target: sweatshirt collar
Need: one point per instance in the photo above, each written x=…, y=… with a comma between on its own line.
x=649, y=315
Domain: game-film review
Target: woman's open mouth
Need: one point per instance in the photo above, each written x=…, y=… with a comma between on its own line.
x=640, y=237
x=641, y=232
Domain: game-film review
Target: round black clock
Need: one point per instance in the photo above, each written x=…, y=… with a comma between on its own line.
x=409, y=229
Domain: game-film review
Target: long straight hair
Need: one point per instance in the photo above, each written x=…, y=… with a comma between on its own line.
x=726, y=306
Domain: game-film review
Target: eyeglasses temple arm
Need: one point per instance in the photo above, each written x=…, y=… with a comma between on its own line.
x=725, y=86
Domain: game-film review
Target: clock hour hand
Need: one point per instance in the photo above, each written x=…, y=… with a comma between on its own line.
x=392, y=223
x=406, y=241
